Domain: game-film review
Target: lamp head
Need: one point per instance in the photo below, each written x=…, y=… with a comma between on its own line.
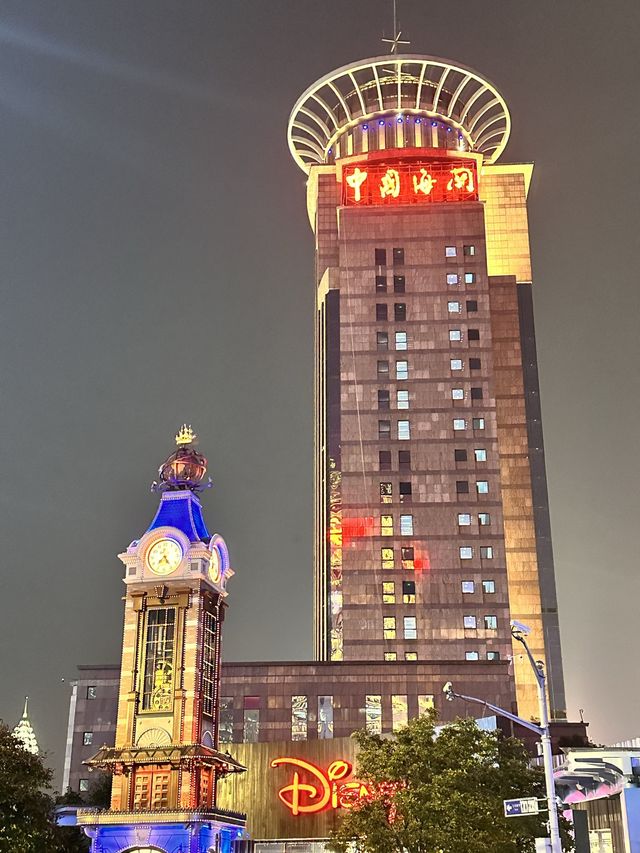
x=519, y=630
x=449, y=694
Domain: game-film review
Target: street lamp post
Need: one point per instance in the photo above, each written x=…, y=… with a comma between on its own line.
x=519, y=633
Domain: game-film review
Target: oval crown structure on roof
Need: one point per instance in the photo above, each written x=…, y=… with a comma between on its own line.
x=397, y=102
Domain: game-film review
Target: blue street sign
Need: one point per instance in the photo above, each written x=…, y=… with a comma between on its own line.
x=523, y=806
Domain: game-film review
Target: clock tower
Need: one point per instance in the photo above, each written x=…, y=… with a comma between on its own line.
x=166, y=763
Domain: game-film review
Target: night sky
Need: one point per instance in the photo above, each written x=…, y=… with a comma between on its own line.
x=157, y=266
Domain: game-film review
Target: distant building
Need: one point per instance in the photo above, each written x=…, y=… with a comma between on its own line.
x=24, y=731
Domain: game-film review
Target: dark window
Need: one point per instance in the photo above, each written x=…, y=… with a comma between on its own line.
x=460, y=455
x=398, y=257
x=474, y=364
x=381, y=257
x=407, y=553
x=404, y=490
x=383, y=399
x=409, y=592
x=92, y=692
x=383, y=368
x=476, y=393
x=382, y=340
x=462, y=487
x=398, y=284
x=467, y=250
x=404, y=460
x=381, y=284
x=384, y=429
x=493, y=655
x=473, y=334
x=472, y=306
x=381, y=311
x=384, y=460
x=399, y=311
x=478, y=423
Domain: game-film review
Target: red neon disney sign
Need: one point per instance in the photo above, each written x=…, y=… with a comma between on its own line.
x=409, y=183
x=320, y=789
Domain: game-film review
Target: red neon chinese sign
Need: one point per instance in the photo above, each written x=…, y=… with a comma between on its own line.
x=317, y=790
x=410, y=183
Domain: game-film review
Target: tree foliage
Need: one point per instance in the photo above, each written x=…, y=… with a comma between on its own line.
x=442, y=794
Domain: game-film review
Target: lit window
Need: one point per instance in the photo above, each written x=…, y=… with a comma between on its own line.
x=482, y=487
x=404, y=430
x=398, y=257
x=473, y=334
x=457, y=393
x=478, y=423
x=299, y=716
x=486, y=552
x=384, y=429
x=389, y=627
x=452, y=278
x=251, y=719
x=456, y=363
x=381, y=257
x=325, y=717
x=398, y=284
x=491, y=623
x=460, y=455
x=411, y=655
x=407, y=556
x=386, y=493
x=87, y=738
x=462, y=487
x=391, y=655
x=410, y=628
x=408, y=592
x=384, y=460
x=83, y=786
x=388, y=592
x=404, y=460
x=493, y=655
x=474, y=364
x=402, y=369
x=406, y=525
x=373, y=715
x=468, y=250
x=383, y=368
x=381, y=311
x=488, y=587
x=452, y=308
x=92, y=692
x=470, y=622
x=480, y=454
x=471, y=656
x=387, y=558
x=399, y=715
x=469, y=278
x=405, y=491
x=382, y=341
x=401, y=340
x=383, y=399
x=425, y=703
x=209, y=654
x=386, y=525
x=476, y=393
x=450, y=251
x=464, y=519
x=381, y=284
x=459, y=424
x=466, y=552
x=225, y=719
x=159, y=642
x=468, y=587
x=402, y=399
x=484, y=518
x=399, y=312
x=455, y=335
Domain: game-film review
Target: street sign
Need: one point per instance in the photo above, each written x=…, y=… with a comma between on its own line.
x=523, y=806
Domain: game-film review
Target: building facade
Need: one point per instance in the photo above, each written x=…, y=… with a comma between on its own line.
x=432, y=526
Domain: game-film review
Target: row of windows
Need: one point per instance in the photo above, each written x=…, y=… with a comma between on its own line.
x=408, y=592
x=405, y=491
x=403, y=430
x=459, y=454
x=408, y=562
x=471, y=623
x=406, y=525
x=384, y=399
x=401, y=338
x=397, y=254
x=391, y=656
x=402, y=367
x=454, y=306
x=399, y=281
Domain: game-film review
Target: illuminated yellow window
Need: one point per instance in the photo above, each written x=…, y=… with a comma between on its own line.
x=386, y=557
x=391, y=655
x=386, y=525
x=411, y=655
x=424, y=703
x=388, y=592
x=408, y=559
x=389, y=627
x=386, y=493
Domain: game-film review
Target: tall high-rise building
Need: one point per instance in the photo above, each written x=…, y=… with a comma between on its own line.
x=431, y=515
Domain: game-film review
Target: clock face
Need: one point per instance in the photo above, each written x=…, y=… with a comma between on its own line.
x=164, y=556
x=215, y=567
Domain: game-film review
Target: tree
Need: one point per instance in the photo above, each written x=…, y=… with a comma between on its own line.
x=442, y=793
x=27, y=820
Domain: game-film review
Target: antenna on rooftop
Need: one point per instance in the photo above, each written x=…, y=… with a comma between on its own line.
x=396, y=40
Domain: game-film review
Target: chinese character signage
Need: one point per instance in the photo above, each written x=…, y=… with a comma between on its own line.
x=410, y=183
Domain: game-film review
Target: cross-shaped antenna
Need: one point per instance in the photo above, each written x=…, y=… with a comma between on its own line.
x=396, y=40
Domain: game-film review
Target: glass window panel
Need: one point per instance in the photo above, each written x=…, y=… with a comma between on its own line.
x=484, y=518
x=470, y=622
x=386, y=525
x=491, y=623
x=457, y=393
x=453, y=307
x=469, y=278
x=383, y=399
x=404, y=430
x=398, y=284
x=386, y=558
x=402, y=399
x=488, y=587
x=382, y=341
x=388, y=592
x=455, y=335
x=478, y=423
x=381, y=284
x=299, y=716
x=386, y=493
x=373, y=715
x=225, y=719
x=452, y=278
x=401, y=340
x=425, y=702
x=408, y=558
x=493, y=655
x=402, y=369
x=469, y=250
x=157, y=691
x=411, y=655
x=468, y=587
x=383, y=368
x=391, y=655
x=410, y=628
x=208, y=663
x=406, y=525
x=486, y=552
x=482, y=486
x=466, y=552
x=450, y=251
x=459, y=424
x=408, y=592
x=456, y=363
x=464, y=519
x=480, y=454
x=389, y=627
x=471, y=656
x=399, y=714
x=87, y=738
